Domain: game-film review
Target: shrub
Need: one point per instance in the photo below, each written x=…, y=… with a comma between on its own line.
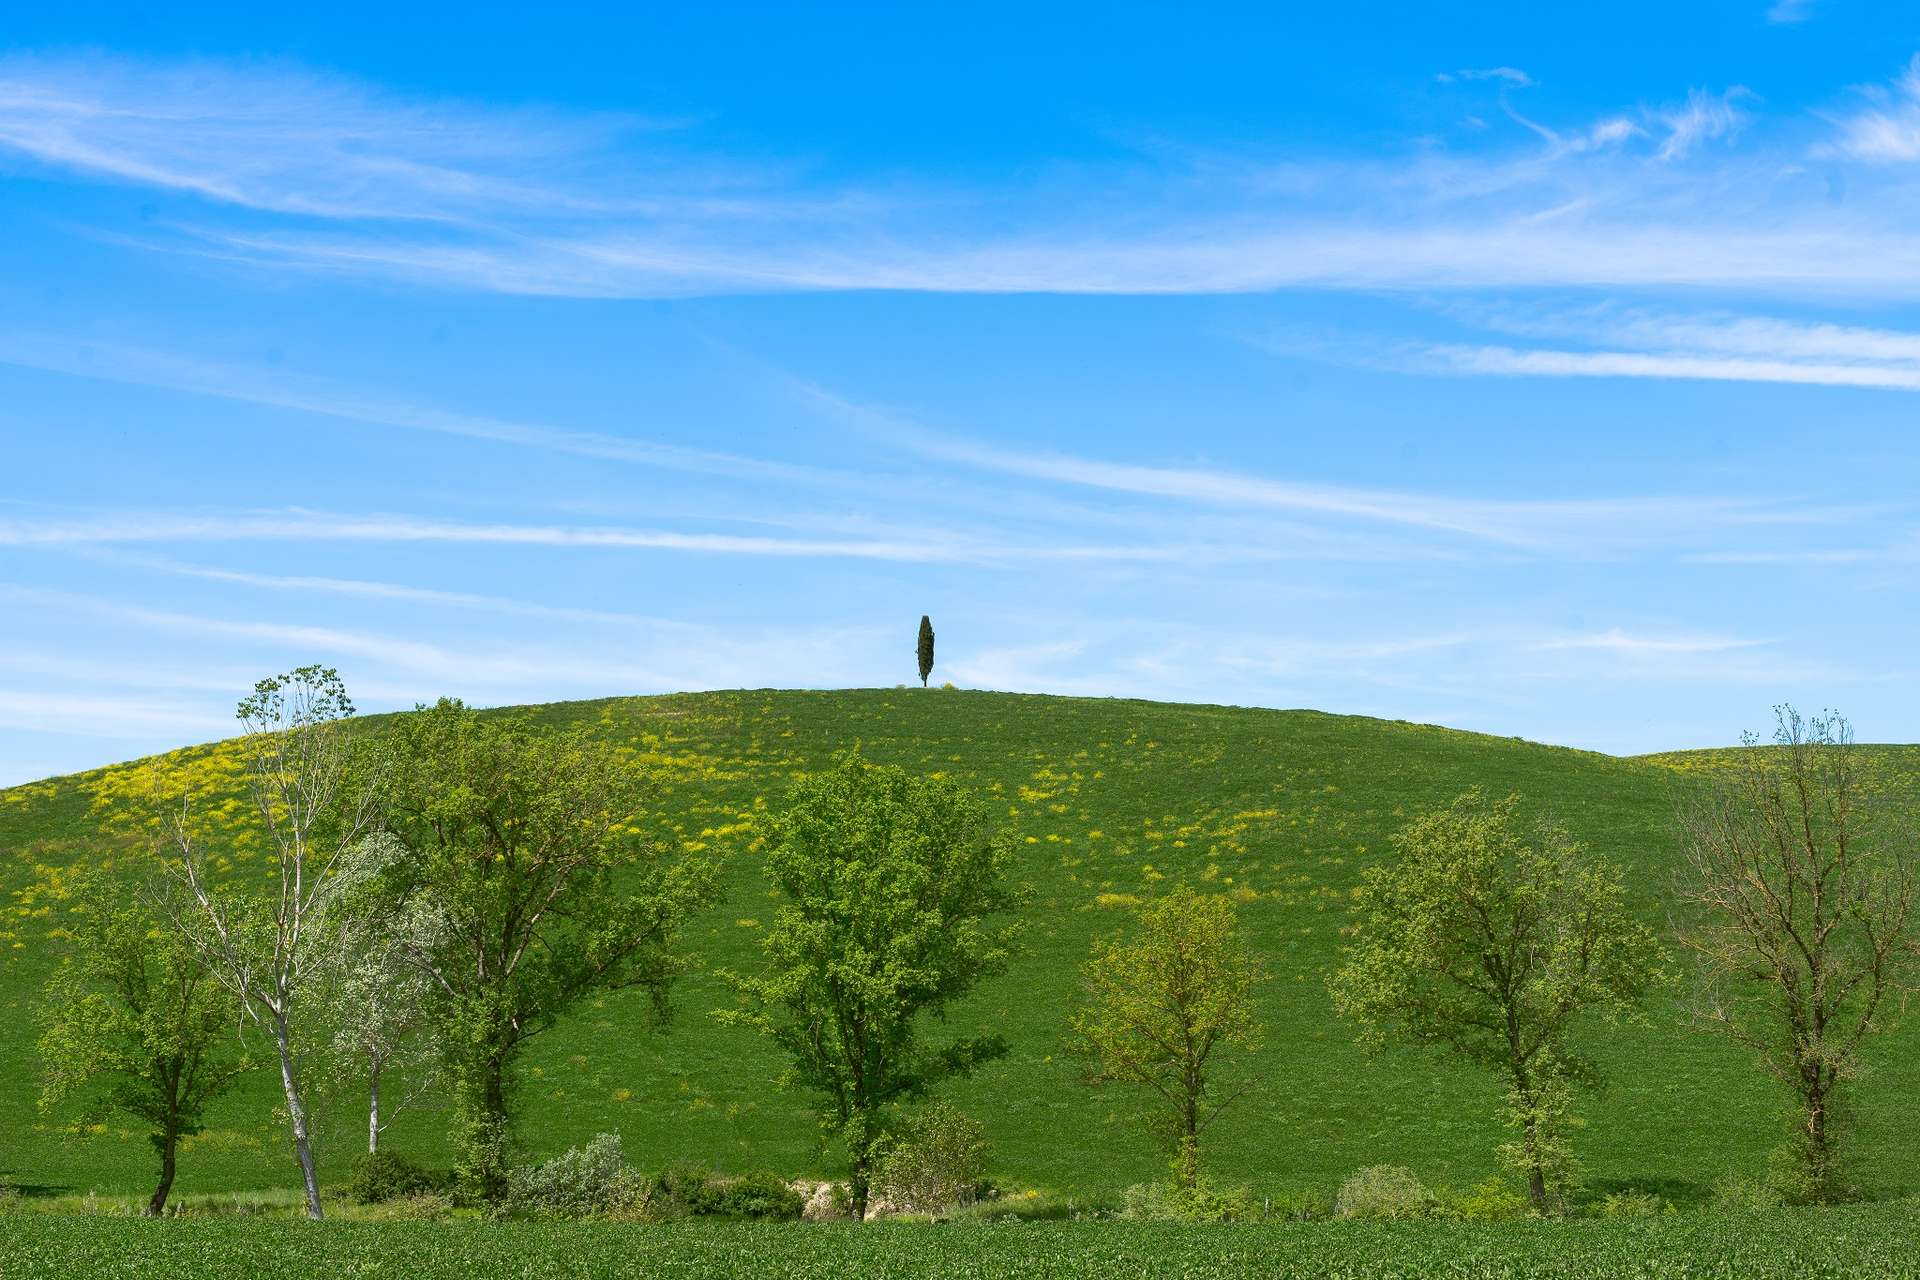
x=760, y=1195
x=693, y=1191
x=1735, y=1192
x=1491, y=1201
x=1299, y=1206
x=424, y=1206
x=939, y=1163
x=1633, y=1204
x=588, y=1180
x=380, y=1176
x=1202, y=1202
x=1383, y=1191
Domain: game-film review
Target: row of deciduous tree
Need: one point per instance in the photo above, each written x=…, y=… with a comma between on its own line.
x=439, y=892
x=1795, y=902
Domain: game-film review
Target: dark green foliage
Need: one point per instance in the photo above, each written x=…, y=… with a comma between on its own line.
x=380, y=1176
x=525, y=847
x=1841, y=1244
x=134, y=1021
x=693, y=1191
x=760, y=1195
x=890, y=892
x=924, y=649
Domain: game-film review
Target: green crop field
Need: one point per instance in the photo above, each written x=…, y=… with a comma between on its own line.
x=1877, y=1241
x=1109, y=801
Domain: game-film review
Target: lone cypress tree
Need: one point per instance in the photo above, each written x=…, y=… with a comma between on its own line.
x=926, y=649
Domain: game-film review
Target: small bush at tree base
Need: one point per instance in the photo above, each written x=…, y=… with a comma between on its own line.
x=1734, y=1192
x=586, y=1181
x=760, y=1195
x=380, y=1176
x=1490, y=1201
x=1633, y=1204
x=1383, y=1191
x=1201, y=1202
x=693, y=1191
x=939, y=1163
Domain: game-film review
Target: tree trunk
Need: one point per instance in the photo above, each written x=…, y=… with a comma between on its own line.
x=297, y=1113
x=169, y=1142
x=373, y=1113
x=861, y=1183
x=1186, y=1157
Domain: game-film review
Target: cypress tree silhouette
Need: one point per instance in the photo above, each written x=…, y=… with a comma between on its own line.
x=926, y=649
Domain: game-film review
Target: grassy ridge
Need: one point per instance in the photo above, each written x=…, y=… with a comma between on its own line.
x=1109, y=800
x=1809, y=1245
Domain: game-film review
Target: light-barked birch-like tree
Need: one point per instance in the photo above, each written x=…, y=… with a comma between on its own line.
x=271, y=945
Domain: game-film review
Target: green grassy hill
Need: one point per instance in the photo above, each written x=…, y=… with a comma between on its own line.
x=1110, y=800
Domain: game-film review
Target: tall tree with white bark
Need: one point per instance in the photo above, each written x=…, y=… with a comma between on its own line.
x=271, y=947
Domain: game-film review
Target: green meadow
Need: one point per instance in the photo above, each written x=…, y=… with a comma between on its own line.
x=1109, y=801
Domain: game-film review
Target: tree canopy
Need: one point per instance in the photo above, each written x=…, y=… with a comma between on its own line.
x=1490, y=942
x=527, y=852
x=890, y=897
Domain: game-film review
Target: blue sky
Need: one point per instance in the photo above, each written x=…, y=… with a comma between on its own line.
x=1527, y=369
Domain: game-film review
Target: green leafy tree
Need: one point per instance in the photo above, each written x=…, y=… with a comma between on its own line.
x=925, y=649
x=534, y=889
x=1170, y=1007
x=1480, y=940
x=133, y=1021
x=890, y=892
x=1802, y=883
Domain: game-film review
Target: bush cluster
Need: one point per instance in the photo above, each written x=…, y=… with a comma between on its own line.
x=380, y=1176
x=1384, y=1191
x=938, y=1163
x=596, y=1181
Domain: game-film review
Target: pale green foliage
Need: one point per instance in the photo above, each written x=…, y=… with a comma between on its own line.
x=1633, y=1204
x=1201, y=1202
x=937, y=1162
x=271, y=948
x=134, y=1022
x=1490, y=1201
x=585, y=1181
x=1483, y=941
x=1170, y=1007
x=891, y=894
x=380, y=1000
x=537, y=890
x=1384, y=1191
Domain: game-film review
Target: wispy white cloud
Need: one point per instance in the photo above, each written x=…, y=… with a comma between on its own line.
x=302, y=525
x=108, y=715
x=278, y=137
x=1703, y=117
x=1508, y=361
x=471, y=198
x=1887, y=130
x=1790, y=11
x=1638, y=343
x=1506, y=75
x=1619, y=640
x=279, y=389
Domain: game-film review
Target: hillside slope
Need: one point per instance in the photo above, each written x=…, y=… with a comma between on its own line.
x=1108, y=800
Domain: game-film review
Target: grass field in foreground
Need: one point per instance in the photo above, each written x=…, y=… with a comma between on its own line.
x=1874, y=1241
x=1109, y=801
